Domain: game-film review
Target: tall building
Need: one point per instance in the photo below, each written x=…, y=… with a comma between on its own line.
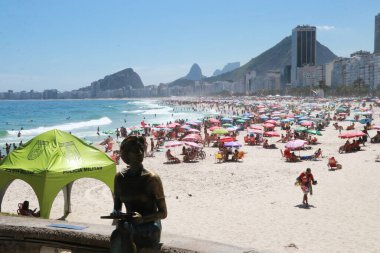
x=377, y=34
x=303, y=48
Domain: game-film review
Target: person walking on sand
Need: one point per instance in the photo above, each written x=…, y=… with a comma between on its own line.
x=306, y=180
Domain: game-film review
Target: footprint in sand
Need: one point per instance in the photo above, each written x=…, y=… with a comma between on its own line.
x=291, y=247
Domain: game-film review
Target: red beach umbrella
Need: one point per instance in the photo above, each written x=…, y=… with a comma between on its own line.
x=212, y=120
x=271, y=121
x=268, y=125
x=173, y=125
x=214, y=127
x=256, y=127
x=351, y=135
x=227, y=139
x=192, y=137
x=271, y=134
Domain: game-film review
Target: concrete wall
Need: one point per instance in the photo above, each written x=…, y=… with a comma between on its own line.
x=31, y=235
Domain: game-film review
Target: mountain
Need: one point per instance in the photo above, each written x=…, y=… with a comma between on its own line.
x=275, y=58
x=124, y=78
x=194, y=74
x=227, y=68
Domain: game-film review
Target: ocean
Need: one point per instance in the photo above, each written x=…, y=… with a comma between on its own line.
x=81, y=117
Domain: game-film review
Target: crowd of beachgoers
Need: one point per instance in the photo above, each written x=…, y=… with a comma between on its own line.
x=229, y=177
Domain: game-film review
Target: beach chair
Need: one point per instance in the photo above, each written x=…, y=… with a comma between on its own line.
x=377, y=158
x=218, y=157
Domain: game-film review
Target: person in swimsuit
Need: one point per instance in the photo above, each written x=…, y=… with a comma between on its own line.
x=305, y=180
x=142, y=194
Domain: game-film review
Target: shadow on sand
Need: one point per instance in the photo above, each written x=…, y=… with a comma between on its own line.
x=304, y=206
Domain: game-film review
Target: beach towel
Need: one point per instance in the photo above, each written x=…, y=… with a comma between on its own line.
x=68, y=226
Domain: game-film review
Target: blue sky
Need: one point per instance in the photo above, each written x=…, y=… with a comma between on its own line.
x=68, y=44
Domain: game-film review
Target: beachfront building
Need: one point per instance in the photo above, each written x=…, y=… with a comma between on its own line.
x=362, y=68
x=273, y=80
x=309, y=75
x=50, y=94
x=377, y=34
x=303, y=49
x=202, y=88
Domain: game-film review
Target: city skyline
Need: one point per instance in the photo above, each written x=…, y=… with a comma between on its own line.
x=68, y=45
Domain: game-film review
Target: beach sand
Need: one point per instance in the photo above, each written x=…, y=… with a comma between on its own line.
x=253, y=204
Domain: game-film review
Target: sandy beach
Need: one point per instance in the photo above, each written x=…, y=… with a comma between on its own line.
x=253, y=204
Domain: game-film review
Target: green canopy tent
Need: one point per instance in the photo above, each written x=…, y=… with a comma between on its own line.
x=52, y=161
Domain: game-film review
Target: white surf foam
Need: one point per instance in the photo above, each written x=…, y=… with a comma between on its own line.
x=158, y=111
x=133, y=111
x=65, y=127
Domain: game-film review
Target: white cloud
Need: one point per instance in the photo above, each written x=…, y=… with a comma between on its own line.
x=325, y=27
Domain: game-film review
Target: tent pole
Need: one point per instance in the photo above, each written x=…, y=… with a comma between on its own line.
x=67, y=198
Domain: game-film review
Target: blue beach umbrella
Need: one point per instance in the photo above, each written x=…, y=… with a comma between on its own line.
x=226, y=119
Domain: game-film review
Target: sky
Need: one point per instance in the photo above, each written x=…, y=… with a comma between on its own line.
x=66, y=45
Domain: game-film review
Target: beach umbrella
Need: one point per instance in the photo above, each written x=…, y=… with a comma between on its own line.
x=365, y=121
x=254, y=131
x=214, y=127
x=315, y=132
x=240, y=121
x=192, y=137
x=172, y=144
x=271, y=134
x=271, y=121
x=351, y=135
x=295, y=144
x=227, y=125
x=232, y=144
x=350, y=119
x=214, y=121
x=268, y=125
x=192, y=144
x=220, y=131
x=226, y=119
x=255, y=127
x=227, y=139
x=306, y=123
x=185, y=127
x=376, y=127
x=301, y=129
x=193, y=123
x=290, y=115
x=193, y=130
x=51, y=162
x=231, y=129
x=173, y=125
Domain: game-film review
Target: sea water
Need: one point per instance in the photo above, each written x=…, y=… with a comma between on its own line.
x=81, y=117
